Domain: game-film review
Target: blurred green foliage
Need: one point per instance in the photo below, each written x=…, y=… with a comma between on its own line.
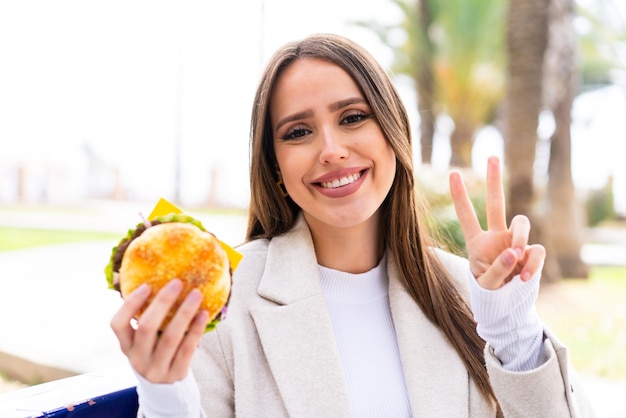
x=441, y=218
x=600, y=205
x=19, y=238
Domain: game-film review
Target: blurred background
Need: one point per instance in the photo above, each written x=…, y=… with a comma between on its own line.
x=107, y=106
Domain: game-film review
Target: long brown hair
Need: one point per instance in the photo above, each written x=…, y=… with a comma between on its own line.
x=271, y=214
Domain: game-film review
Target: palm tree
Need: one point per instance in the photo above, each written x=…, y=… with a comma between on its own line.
x=454, y=53
x=527, y=41
x=469, y=68
x=526, y=45
x=415, y=58
x=561, y=82
x=425, y=78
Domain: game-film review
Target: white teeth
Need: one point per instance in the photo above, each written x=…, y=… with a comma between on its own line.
x=340, y=182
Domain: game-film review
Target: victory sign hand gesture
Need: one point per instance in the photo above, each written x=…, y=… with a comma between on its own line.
x=499, y=253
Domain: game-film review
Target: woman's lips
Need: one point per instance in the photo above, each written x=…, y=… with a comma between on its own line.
x=342, y=185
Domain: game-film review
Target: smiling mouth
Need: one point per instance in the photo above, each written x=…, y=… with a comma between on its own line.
x=343, y=181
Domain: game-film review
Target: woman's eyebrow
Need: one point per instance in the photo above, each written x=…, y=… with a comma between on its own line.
x=291, y=118
x=340, y=104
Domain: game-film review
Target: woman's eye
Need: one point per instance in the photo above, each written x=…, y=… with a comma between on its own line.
x=354, y=118
x=295, y=133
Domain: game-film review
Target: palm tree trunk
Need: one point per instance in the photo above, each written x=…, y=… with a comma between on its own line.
x=425, y=81
x=565, y=215
x=564, y=209
x=527, y=40
x=461, y=141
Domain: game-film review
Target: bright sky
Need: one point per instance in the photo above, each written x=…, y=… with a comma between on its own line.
x=127, y=77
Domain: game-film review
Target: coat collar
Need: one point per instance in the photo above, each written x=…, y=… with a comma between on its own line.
x=308, y=369
x=291, y=255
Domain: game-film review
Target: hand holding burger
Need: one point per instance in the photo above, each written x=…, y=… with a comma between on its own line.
x=175, y=246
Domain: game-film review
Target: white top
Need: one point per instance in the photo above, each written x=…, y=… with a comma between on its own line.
x=366, y=339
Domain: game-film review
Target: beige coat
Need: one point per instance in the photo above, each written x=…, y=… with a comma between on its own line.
x=275, y=355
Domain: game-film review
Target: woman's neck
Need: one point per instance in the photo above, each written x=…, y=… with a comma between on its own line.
x=354, y=249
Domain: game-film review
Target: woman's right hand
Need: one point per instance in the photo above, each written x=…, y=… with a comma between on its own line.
x=160, y=357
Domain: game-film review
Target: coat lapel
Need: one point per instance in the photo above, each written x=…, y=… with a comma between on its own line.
x=436, y=379
x=296, y=333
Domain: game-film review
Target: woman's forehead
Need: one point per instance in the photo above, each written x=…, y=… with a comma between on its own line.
x=310, y=77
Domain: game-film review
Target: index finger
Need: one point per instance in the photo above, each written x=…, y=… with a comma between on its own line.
x=463, y=206
x=496, y=205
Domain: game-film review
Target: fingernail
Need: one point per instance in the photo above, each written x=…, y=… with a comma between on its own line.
x=203, y=315
x=519, y=252
x=143, y=289
x=194, y=296
x=526, y=276
x=174, y=285
x=508, y=259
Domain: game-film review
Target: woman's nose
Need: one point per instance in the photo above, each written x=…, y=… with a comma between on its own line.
x=333, y=147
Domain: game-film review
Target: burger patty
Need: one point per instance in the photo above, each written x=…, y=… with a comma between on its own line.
x=121, y=250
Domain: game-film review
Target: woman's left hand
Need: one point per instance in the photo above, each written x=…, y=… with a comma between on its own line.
x=500, y=252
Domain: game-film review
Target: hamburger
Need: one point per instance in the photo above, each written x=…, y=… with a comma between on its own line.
x=173, y=246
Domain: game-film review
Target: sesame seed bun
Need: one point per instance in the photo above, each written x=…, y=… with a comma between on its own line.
x=178, y=250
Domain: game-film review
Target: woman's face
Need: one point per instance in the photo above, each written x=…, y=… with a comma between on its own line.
x=331, y=152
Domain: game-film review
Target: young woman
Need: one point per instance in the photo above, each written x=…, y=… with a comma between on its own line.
x=341, y=305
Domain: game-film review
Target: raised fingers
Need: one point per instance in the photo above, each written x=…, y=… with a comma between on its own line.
x=496, y=203
x=463, y=206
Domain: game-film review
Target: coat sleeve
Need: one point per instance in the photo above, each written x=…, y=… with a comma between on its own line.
x=551, y=390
